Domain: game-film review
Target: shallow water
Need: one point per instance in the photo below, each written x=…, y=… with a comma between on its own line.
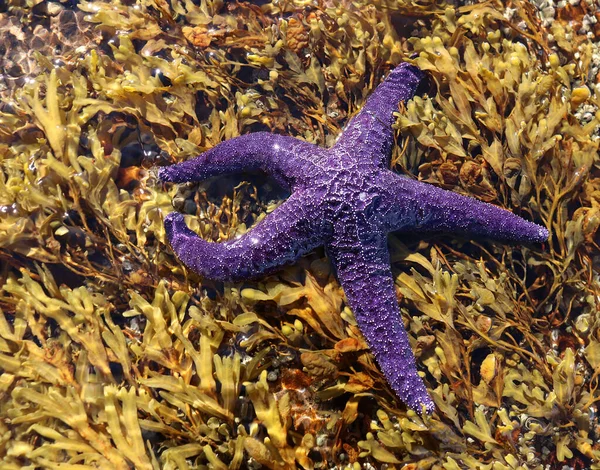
x=114, y=355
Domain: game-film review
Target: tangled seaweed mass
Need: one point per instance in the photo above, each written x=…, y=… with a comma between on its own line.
x=115, y=355
x=348, y=200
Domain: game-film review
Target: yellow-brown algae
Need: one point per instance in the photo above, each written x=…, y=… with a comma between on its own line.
x=114, y=356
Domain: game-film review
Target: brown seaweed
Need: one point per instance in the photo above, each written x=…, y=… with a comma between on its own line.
x=113, y=355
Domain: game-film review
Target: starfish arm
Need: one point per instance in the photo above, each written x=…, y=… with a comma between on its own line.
x=290, y=231
x=363, y=269
x=369, y=135
x=424, y=207
x=285, y=158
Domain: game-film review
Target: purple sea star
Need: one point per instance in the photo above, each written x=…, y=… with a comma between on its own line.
x=347, y=199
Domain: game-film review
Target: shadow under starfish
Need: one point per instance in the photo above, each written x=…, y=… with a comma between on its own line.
x=347, y=199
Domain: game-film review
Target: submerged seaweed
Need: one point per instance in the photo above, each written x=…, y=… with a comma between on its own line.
x=114, y=356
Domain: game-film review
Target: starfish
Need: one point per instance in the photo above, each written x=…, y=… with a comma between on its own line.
x=348, y=200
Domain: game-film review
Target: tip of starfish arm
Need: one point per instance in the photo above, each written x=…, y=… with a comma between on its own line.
x=177, y=173
x=174, y=223
x=543, y=234
x=423, y=405
x=533, y=233
x=163, y=174
x=416, y=397
x=429, y=407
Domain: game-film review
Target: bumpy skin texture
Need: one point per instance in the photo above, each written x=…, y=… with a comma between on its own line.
x=347, y=199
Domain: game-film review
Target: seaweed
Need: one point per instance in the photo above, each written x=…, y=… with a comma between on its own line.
x=114, y=355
